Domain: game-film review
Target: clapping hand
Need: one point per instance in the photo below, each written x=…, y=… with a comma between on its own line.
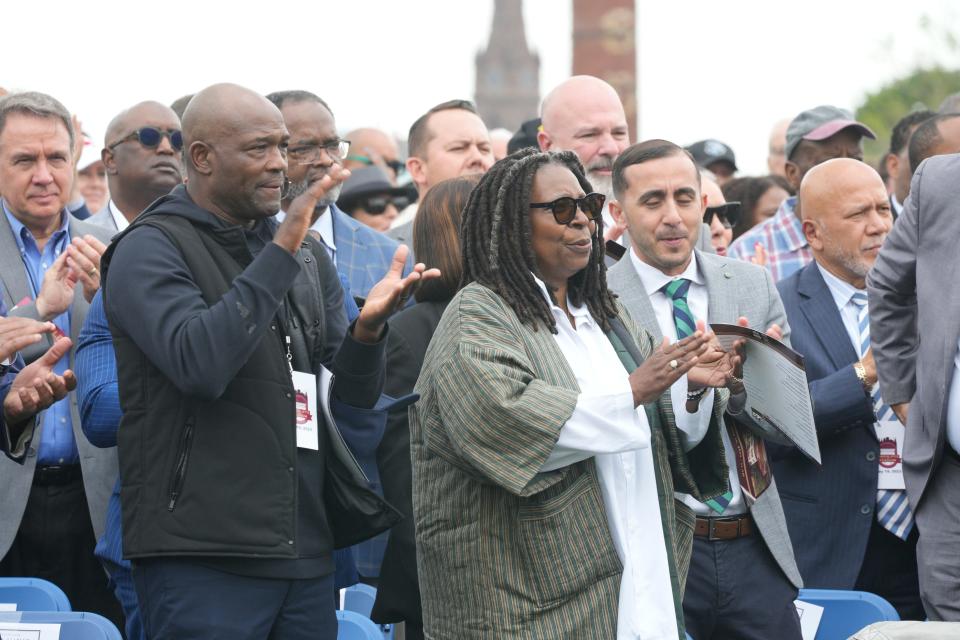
x=19, y=333
x=717, y=367
x=37, y=386
x=389, y=295
x=670, y=361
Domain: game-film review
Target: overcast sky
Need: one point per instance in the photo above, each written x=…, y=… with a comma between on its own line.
x=707, y=69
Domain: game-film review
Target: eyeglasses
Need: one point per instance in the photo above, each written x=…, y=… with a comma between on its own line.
x=395, y=165
x=728, y=213
x=310, y=153
x=375, y=205
x=150, y=137
x=564, y=209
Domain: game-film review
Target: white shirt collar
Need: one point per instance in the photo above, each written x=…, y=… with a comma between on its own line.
x=653, y=279
x=841, y=290
x=897, y=205
x=323, y=226
x=118, y=218
x=581, y=314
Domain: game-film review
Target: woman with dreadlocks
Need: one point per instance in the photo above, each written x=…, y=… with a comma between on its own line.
x=544, y=447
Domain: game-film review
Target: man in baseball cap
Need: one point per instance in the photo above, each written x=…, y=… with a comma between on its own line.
x=716, y=157
x=814, y=136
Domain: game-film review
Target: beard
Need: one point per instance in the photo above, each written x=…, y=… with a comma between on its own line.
x=299, y=188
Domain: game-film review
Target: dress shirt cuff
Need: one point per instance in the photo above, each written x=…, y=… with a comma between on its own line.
x=600, y=424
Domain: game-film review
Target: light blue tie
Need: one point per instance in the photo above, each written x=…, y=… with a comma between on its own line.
x=893, y=509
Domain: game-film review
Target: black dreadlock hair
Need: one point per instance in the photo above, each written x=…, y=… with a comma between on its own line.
x=497, y=248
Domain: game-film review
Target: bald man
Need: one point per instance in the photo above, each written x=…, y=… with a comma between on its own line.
x=776, y=146
x=235, y=488
x=850, y=520
x=142, y=157
x=584, y=114
x=370, y=146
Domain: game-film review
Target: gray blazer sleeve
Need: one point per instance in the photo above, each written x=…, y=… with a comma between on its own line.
x=892, y=289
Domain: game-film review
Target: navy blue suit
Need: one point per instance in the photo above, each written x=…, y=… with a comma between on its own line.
x=831, y=510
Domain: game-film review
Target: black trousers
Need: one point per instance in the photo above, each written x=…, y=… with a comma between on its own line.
x=55, y=542
x=736, y=591
x=890, y=570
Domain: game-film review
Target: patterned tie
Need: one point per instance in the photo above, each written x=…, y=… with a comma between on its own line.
x=676, y=292
x=893, y=509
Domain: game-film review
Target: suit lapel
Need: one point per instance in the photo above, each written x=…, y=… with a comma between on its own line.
x=721, y=289
x=13, y=273
x=820, y=310
x=634, y=297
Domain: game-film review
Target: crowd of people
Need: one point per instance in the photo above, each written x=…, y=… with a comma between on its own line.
x=247, y=361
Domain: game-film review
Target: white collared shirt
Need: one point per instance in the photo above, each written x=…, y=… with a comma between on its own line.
x=696, y=427
x=323, y=226
x=407, y=215
x=119, y=219
x=606, y=426
x=897, y=205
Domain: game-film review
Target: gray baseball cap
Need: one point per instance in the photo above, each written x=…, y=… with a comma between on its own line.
x=820, y=123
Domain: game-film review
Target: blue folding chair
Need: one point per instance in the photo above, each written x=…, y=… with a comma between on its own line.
x=846, y=612
x=360, y=598
x=353, y=626
x=33, y=594
x=73, y=625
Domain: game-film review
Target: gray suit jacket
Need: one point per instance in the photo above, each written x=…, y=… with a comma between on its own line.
x=913, y=292
x=99, y=465
x=734, y=289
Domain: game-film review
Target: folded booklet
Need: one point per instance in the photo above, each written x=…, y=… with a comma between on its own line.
x=778, y=404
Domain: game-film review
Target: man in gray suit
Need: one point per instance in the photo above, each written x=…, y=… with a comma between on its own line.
x=743, y=576
x=54, y=501
x=142, y=156
x=915, y=329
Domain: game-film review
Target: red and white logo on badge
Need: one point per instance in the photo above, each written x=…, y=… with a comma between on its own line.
x=889, y=456
x=303, y=408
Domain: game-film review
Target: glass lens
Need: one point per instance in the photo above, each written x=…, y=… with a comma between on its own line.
x=176, y=140
x=593, y=205
x=376, y=205
x=149, y=137
x=400, y=202
x=340, y=149
x=564, y=210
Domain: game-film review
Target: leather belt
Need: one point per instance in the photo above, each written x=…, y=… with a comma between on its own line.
x=723, y=528
x=57, y=474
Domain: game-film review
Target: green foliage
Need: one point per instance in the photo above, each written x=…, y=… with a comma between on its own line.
x=880, y=110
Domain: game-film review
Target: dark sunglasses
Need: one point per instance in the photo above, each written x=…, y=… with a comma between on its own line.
x=150, y=137
x=378, y=204
x=728, y=213
x=564, y=209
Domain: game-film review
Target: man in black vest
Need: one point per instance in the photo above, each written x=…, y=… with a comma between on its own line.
x=235, y=489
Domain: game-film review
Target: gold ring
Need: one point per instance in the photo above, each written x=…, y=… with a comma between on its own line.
x=93, y=272
x=674, y=364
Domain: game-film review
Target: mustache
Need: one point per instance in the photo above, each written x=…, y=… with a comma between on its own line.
x=600, y=162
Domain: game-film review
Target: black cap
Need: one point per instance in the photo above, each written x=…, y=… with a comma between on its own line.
x=366, y=181
x=526, y=136
x=708, y=152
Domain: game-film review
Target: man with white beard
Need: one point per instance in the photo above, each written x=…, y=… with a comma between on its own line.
x=584, y=114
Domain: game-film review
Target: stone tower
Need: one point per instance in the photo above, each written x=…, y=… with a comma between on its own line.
x=508, y=73
x=604, y=46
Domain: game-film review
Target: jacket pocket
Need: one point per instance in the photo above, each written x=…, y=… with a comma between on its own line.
x=180, y=468
x=566, y=543
x=797, y=497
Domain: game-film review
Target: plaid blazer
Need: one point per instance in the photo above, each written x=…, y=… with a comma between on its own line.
x=363, y=255
x=505, y=551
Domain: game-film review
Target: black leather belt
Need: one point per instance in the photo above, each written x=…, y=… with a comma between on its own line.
x=723, y=528
x=57, y=474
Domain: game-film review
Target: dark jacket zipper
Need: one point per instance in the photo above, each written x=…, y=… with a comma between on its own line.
x=180, y=471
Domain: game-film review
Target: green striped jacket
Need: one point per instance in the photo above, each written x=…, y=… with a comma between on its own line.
x=505, y=551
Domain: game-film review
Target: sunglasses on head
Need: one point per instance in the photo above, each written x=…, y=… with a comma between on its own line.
x=728, y=213
x=564, y=209
x=150, y=137
x=375, y=205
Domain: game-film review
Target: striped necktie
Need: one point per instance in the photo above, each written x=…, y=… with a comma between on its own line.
x=676, y=292
x=893, y=509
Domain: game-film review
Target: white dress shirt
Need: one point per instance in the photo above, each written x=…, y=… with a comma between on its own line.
x=407, y=215
x=695, y=428
x=323, y=226
x=119, y=219
x=606, y=426
x=953, y=404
